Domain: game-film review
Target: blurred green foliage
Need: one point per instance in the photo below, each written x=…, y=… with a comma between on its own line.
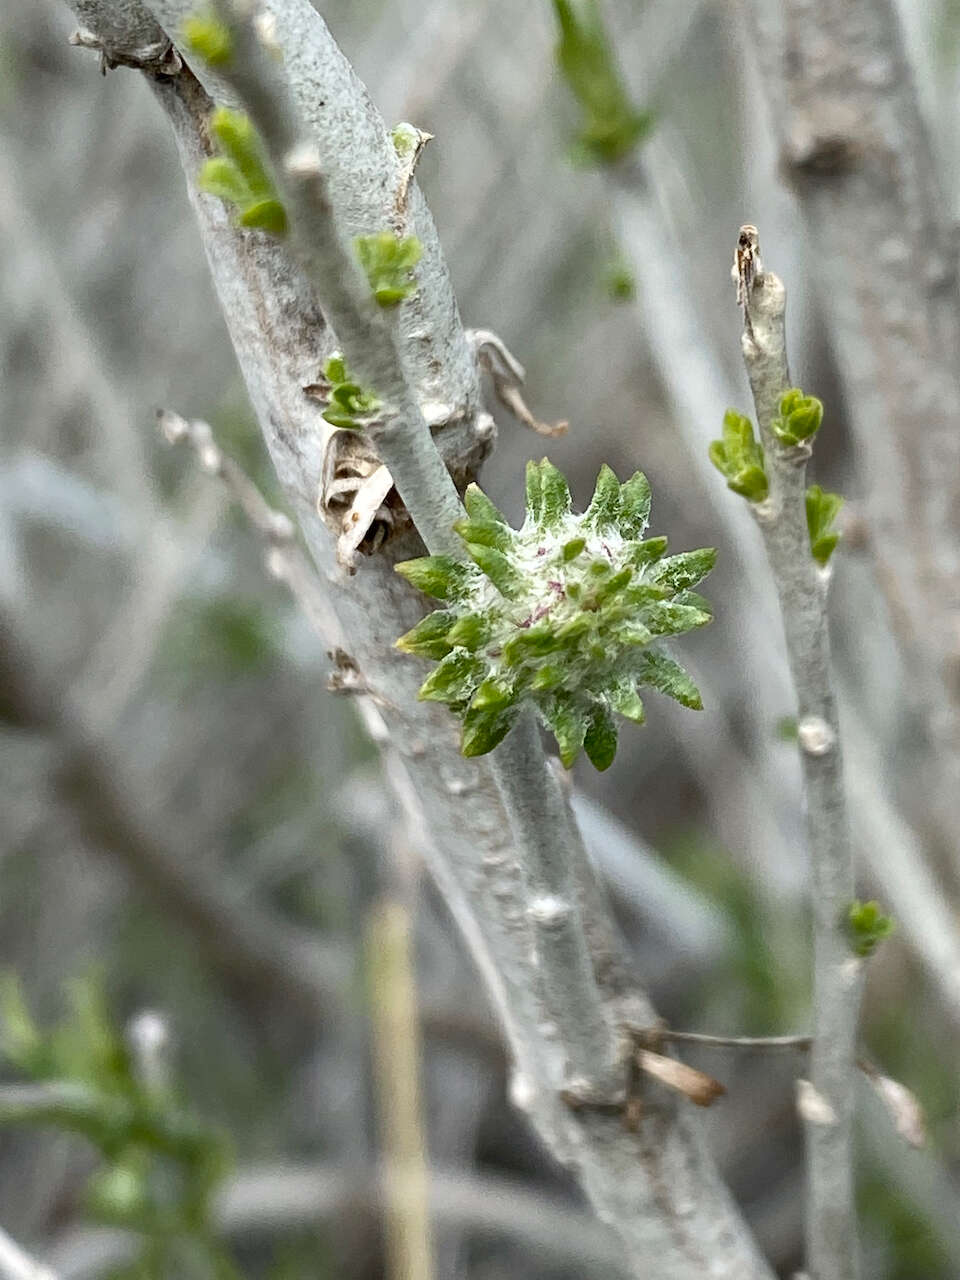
x=914, y=1251
x=767, y=966
x=611, y=126
x=223, y=635
x=159, y=1166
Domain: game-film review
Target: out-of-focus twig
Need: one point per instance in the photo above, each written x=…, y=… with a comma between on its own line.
x=16, y=1264
x=285, y=1196
x=396, y=1051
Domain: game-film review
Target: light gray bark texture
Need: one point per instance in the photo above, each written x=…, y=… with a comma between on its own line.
x=658, y=1189
x=831, y=1219
x=856, y=151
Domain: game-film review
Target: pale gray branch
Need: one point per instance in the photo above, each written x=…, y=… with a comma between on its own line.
x=546, y=838
x=831, y=1222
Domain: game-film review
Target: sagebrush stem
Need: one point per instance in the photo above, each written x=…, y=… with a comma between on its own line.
x=831, y=1224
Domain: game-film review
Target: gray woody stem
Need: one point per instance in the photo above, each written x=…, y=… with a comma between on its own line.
x=545, y=834
x=366, y=338
x=831, y=1233
x=658, y=1190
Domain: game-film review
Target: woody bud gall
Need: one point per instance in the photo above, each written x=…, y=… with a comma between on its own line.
x=568, y=613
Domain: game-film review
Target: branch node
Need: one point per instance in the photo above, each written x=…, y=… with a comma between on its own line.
x=812, y=1106
x=815, y=736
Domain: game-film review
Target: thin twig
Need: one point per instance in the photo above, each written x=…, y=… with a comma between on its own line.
x=366, y=337
x=837, y=979
x=848, y=116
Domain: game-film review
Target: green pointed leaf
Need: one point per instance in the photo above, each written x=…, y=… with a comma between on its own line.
x=634, y=635
x=611, y=125
x=454, y=680
x=639, y=594
x=600, y=743
x=739, y=457
x=648, y=552
x=531, y=642
x=390, y=295
x=625, y=699
x=547, y=678
x=823, y=548
x=209, y=39
x=717, y=452
x=486, y=533
x=574, y=628
x=555, y=495
x=429, y=638
x=484, y=730
x=220, y=177
x=615, y=584
x=573, y=548
x=635, y=506
x=470, y=632
x=568, y=723
x=267, y=215
x=670, y=618
x=684, y=570
x=501, y=571
x=695, y=600
x=239, y=139
x=340, y=418
x=822, y=509
x=751, y=483
x=604, y=508
x=439, y=576
x=661, y=672
x=479, y=506
x=534, y=492
x=492, y=694
x=335, y=369
x=800, y=417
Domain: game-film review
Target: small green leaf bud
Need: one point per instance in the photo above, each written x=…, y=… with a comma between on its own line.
x=867, y=926
x=209, y=39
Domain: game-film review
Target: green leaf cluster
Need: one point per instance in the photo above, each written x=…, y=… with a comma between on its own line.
x=738, y=456
x=566, y=613
x=240, y=175
x=209, y=38
x=612, y=126
x=867, y=926
x=822, y=509
x=348, y=405
x=388, y=262
x=619, y=281
x=159, y=1167
x=799, y=418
